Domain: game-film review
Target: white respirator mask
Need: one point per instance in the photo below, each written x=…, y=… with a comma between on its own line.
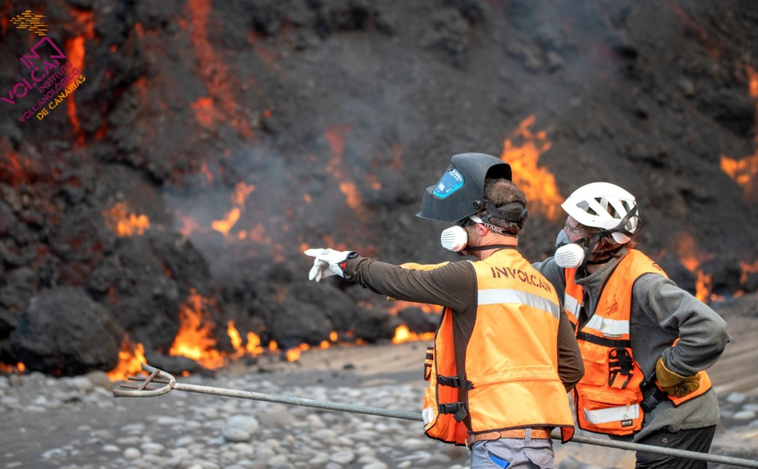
x=568, y=255
x=454, y=238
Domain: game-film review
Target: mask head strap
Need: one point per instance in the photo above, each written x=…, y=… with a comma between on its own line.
x=513, y=212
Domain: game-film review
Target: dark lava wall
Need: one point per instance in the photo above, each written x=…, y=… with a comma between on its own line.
x=247, y=130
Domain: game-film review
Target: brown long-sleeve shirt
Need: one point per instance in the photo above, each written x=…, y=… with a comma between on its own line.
x=454, y=286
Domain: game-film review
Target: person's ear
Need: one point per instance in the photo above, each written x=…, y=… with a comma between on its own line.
x=481, y=230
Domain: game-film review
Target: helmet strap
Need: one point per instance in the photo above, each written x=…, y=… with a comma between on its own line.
x=620, y=228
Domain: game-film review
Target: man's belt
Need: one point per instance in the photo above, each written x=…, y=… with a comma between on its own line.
x=519, y=433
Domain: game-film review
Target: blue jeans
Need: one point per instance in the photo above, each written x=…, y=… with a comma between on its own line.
x=513, y=453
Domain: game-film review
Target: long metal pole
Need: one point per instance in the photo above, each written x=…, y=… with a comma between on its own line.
x=406, y=415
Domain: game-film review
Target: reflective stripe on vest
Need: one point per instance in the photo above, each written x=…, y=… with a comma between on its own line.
x=511, y=357
x=611, y=328
x=495, y=296
x=608, y=396
x=612, y=414
x=571, y=305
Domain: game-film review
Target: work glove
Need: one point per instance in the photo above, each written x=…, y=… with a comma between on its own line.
x=417, y=266
x=328, y=262
x=673, y=383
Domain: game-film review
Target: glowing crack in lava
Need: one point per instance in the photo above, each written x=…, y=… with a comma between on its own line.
x=537, y=183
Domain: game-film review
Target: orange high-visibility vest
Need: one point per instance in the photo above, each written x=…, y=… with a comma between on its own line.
x=608, y=397
x=509, y=378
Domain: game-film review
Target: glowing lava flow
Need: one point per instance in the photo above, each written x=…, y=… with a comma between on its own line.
x=131, y=357
x=336, y=137
x=195, y=337
x=691, y=259
x=537, y=183
x=123, y=223
x=402, y=334
x=745, y=171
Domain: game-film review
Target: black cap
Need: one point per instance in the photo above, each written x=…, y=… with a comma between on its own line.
x=460, y=191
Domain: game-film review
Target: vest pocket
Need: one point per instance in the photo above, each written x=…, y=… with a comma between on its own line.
x=614, y=411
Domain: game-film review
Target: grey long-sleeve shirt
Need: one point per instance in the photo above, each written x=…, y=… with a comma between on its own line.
x=454, y=286
x=661, y=313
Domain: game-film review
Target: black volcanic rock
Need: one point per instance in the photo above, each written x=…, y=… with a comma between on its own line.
x=374, y=325
x=293, y=323
x=725, y=275
x=64, y=332
x=418, y=321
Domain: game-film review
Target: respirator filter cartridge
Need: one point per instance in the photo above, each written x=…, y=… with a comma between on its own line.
x=454, y=238
x=569, y=256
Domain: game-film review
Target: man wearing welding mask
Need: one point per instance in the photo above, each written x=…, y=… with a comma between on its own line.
x=504, y=354
x=645, y=341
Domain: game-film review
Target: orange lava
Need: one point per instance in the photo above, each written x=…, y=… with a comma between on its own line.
x=537, y=183
x=205, y=112
x=748, y=269
x=400, y=305
x=75, y=53
x=402, y=334
x=213, y=70
x=123, y=223
x=195, y=337
x=15, y=169
x=753, y=82
x=745, y=171
x=17, y=369
x=241, y=192
x=294, y=353
x=253, y=346
x=336, y=136
x=229, y=220
x=691, y=259
x=131, y=357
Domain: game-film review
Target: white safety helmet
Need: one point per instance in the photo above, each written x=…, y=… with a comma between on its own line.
x=605, y=205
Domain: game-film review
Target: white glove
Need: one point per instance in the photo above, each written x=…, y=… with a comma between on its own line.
x=328, y=262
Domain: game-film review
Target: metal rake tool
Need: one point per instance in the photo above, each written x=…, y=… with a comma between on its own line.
x=158, y=382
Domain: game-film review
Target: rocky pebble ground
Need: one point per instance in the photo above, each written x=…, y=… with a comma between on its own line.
x=77, y=423
x=192, y=431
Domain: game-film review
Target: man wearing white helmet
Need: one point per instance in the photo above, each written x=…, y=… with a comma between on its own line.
x=645, y=341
